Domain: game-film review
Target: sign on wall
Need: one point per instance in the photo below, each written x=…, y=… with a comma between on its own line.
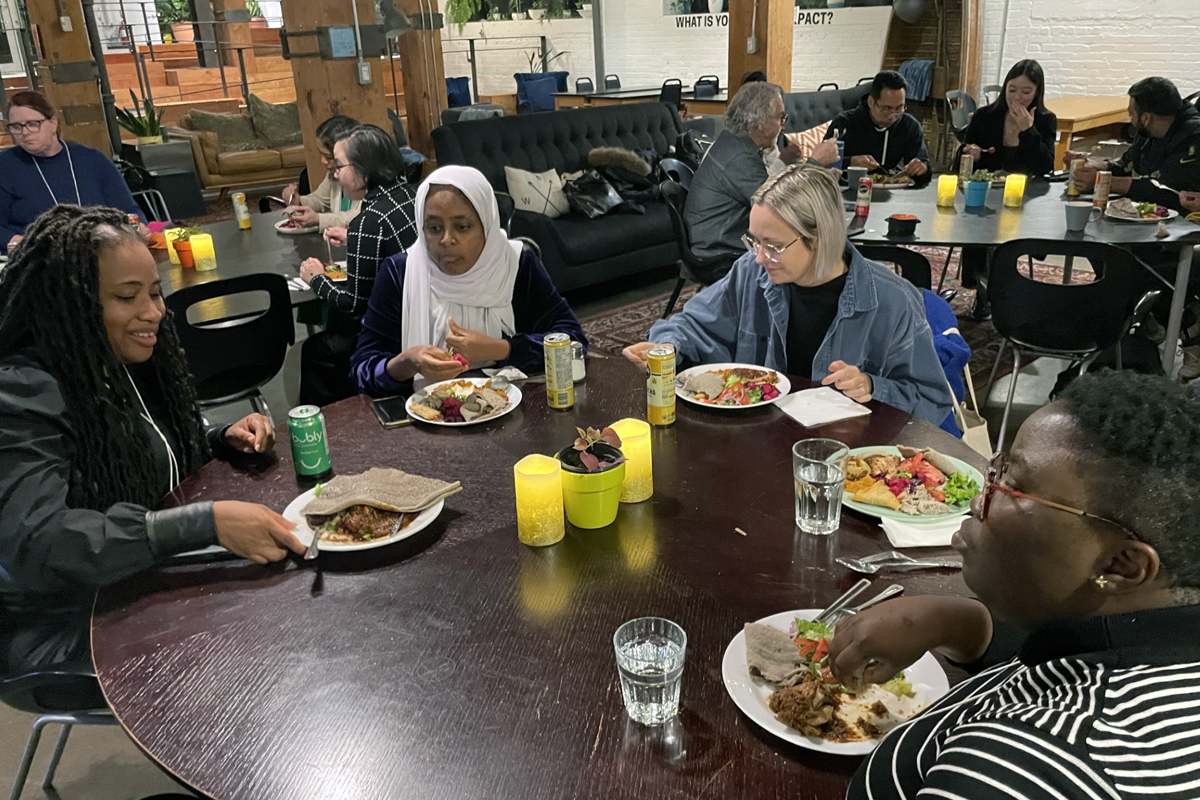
x=715, y=13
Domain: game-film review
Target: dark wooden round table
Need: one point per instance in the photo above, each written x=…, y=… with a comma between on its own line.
x=461, y=663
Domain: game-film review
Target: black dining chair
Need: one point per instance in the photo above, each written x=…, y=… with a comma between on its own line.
x=1071, y=322
x=612, y=82
x=584, y=86
x=962, y=107
x=232, y=360
x=672, y=169
x=691, y=266
x=825, y=86
x=910, y=265
x=672, y=92
x=66, y=696
x=706, y=87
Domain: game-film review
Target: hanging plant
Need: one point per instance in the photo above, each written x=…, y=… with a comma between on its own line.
x=460, y=12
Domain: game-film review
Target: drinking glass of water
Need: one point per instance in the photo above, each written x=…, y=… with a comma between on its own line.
x=650, y=654
x=819, y=470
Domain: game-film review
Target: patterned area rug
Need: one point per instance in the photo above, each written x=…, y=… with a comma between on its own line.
x=612, y=331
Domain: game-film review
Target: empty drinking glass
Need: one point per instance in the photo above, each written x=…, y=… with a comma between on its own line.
x=819, y=470
x=650, y=655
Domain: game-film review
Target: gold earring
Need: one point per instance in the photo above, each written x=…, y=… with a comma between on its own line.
x=1100, y=581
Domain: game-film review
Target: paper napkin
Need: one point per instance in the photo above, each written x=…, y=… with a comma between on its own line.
x=925, y=534
x=812, y=407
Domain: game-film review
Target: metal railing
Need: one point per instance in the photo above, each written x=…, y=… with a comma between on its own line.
x=473, y=53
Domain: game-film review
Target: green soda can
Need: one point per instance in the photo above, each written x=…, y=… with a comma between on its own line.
x=310, y=450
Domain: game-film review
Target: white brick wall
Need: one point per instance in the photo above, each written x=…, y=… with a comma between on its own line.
x=1097, y=47
x=645, y=47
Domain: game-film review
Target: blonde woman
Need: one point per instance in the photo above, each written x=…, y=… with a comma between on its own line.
x=803, y=301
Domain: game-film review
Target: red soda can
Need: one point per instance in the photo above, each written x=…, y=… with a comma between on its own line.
x=863, y=206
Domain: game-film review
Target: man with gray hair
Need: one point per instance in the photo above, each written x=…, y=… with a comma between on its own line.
x=718, y=204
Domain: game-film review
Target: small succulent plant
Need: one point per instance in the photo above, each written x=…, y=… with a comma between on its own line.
x=585, y=444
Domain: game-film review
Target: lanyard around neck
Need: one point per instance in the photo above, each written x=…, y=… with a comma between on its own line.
x=75, y=180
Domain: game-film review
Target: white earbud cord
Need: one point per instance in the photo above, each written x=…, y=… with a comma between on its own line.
x=173, y=474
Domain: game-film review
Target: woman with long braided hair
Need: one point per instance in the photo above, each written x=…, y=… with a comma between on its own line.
x=98, y=421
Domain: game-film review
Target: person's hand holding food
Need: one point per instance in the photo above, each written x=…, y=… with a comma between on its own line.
x=291, y=194
x=476, y=347
x=972, y=151
x=850, y=381
x=876, y=644
x=826, y=153
x=865, y=161
x=251, y=434
x=916, y=168
x=433, y=362
x=637, y=352
x=336, y=236
x=303, y=215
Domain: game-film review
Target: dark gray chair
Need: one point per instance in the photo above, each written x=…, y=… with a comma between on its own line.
x=691, y=267
x=584, y=86
x=673, y=169
x=612, y=82
x=672, y=92
x=910, y=265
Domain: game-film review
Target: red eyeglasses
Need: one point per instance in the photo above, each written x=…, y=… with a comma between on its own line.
x=996, y=470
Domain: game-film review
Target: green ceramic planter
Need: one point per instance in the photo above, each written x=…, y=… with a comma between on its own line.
x=591, y=499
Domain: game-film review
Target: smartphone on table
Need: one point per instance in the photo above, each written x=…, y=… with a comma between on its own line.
x=390, y=411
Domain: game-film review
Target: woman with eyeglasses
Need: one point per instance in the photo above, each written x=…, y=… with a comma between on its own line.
x=326, y=206
x=1083, y=553
x=368, y=165
x=44, y=171
x=803, y=301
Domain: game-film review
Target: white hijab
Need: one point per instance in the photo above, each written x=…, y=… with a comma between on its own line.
x=481, y=298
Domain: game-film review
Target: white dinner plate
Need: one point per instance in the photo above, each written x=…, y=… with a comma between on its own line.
x=750, y=693
x=783, y=385
x=514, y=400
x=1171, y=214
x=881, y=512
x=295, y=513
x=341, y=264
x=294, y=231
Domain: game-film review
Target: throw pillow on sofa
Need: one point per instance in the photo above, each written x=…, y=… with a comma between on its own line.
x=808, y=140
x=235, y=132
x=277, y=124
x=539, y=192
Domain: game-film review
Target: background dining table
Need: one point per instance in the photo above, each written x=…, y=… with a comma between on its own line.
x=1042, y=215
x=461, y=663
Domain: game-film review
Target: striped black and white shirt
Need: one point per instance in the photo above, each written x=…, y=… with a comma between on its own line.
x=1103, y=709
x=385, y=226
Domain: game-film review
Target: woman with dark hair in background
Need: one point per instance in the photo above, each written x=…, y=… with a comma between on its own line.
x=368, y=165
x=1014, y=134
x=98, y=422
x=326, y=206
x=43, y=171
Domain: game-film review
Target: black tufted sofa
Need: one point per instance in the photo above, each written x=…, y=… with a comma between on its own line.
x=808, y=109
x=577, y=251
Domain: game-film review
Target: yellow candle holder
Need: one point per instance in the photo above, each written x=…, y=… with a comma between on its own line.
x=169, y=234
x=947, y=189
x=203, y=252
x=639, y=463
x=1014, y=190
x=538, y=483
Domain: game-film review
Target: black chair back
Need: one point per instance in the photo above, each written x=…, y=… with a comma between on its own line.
x=696, y=268
x=612, y=82
x=232, y=360
x=675, y=170
x=825, y=86
x=867, y=79
x=1077, y=317
x=584, y=86
x=708, y=86
x=672, y=92
x=912, y=266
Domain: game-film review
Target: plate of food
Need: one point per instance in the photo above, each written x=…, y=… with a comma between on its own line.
x=289, y=227
x=371, y=509
x=731, y=386
x=776, y=671
x=462, y=401
x=909, y=484
x=336, y=271
x=1127, y=210
x=898, y=181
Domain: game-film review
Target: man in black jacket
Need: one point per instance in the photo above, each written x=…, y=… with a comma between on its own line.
x=1164, y=158
x=879, y=135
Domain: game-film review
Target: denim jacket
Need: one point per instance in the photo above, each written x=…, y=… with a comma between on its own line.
x=880, y=328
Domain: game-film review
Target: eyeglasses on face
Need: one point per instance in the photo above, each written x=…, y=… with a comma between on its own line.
x=998, y=468
x=33, y=126
x=783, y=118
x=892, y=109
x=769, y=251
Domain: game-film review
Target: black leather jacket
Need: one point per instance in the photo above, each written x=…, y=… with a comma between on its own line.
x=54, y=557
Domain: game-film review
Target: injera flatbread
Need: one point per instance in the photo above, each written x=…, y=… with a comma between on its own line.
x=389, y=489
x=773, y=654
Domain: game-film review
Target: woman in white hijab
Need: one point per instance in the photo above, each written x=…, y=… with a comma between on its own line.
x=464, y=289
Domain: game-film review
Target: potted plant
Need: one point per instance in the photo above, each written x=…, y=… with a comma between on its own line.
x=144, y=121
x=593, y=468
x=536, y=60
x=585, y=10
x=461, y=12
x=174, y=20
x=537, y=10
x=977, y=188
x=183, y=245
x=501, y=9
x=257, y=20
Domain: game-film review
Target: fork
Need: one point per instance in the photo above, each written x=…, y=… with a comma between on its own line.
x=311, y=552
x=894, y=559
x=839, y=615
